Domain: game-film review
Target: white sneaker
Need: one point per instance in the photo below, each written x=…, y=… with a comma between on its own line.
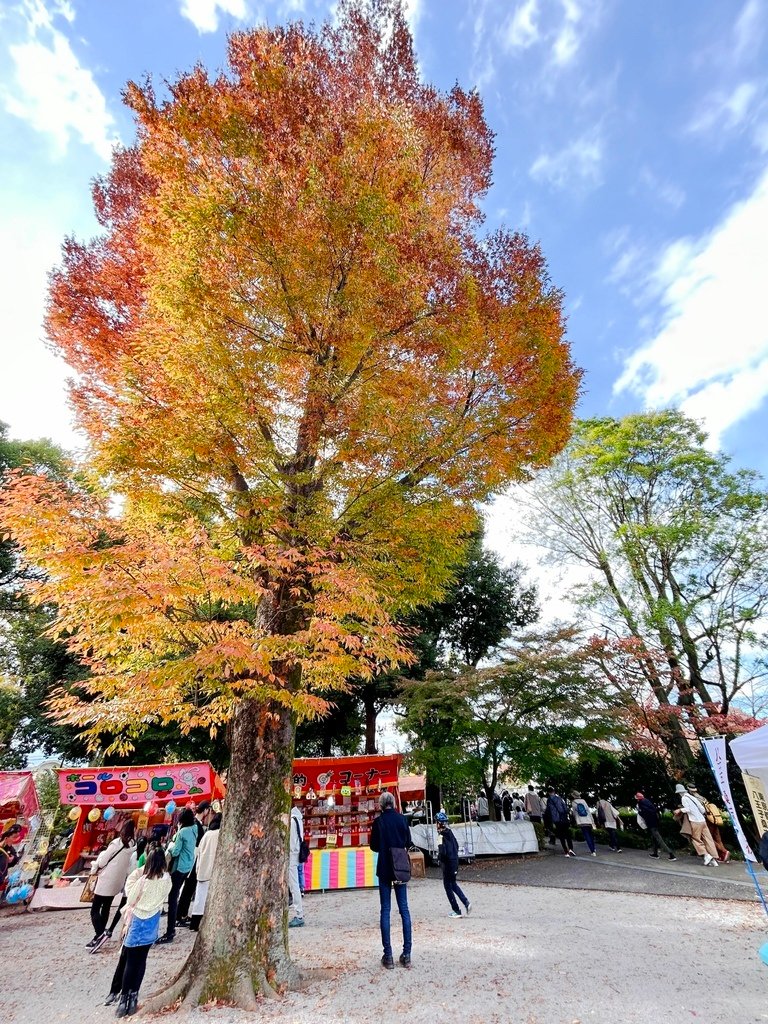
x=707, y=860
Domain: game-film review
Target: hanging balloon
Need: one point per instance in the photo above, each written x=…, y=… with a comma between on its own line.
x=74, y=814
x=149, y=807
x=170, y=807
x=109, y=813
x=94, y=814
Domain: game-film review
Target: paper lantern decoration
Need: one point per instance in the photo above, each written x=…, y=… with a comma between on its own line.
x=74, y=814
x=109, y=813
x=170, y=807
x=94, y=814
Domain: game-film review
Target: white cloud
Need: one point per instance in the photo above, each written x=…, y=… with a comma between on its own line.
x=725, y=110
x=578, y=164
x=51, y=90
x=710, y=354
x=522, y=30
x=204, y=14
x=32, y=392
x=749, y=28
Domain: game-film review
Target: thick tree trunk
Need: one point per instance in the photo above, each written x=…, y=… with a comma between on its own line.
x=242, y=948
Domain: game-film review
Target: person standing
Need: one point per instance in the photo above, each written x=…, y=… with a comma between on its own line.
x=146, y=889
x=558, y=816
x=610, y=819
x=702, y=841
x=111, y=870
x=448, y=857
x=202, y=814
x=294, y=886
x=204, y=862
x=646, y=809
x=390, y=831
x=506, y=805
x=715, y=819
x=182, y=854
x=534, y=805
x=482, y=808
x=582, y=816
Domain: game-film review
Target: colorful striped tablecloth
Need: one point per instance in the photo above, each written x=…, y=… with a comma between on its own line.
x=351, y=868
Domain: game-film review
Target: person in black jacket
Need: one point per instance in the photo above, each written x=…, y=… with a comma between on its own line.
x=448, y=855
x=646, y=809
x=390, y=830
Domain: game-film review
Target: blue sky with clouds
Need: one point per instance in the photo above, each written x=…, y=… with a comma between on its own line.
x=632, y=141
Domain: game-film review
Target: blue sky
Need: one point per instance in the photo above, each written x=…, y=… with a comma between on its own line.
x=632, y=141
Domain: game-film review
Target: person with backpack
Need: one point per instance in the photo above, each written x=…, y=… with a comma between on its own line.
x=297, y=852
x=448, y=858
x=582, y=816
x=648, y=819
x=557, y=813
x=609, y=819
x=715, y=819
x=702, y=841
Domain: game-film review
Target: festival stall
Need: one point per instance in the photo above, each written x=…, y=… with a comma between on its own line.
x=103, y=798
x=751, y=753
x=339, y=799
x=19, y=822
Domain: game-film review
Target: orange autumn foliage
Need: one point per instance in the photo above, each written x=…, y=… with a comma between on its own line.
x=300, y=368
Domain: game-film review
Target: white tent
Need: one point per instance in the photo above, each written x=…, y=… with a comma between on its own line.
x=751, y=753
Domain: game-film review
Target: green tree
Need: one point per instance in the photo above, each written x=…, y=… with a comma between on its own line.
x=674, y=541
x=519, y=717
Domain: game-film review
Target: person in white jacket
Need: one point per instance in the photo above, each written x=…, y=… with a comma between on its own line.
x=296, y=824
x=111, y=870
x=147, y=890
x=204, y=862
x=610, y=819
x=702, y=841
x=583, y=818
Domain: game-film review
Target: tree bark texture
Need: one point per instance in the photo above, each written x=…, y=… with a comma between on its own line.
x=242, y=948
x=371, y=714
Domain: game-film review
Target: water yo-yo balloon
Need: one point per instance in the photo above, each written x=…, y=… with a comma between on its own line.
x=94, y=814
x=170, y=806
x=74, y=814
x=109, y=813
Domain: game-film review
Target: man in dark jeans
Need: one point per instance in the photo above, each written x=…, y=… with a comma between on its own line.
x=202, y=814
x=650, y=815
x=557, y=812
x=390, y=830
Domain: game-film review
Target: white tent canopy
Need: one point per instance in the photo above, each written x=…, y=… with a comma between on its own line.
x=751, y=750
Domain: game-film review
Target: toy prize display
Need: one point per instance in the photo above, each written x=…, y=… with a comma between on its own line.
x=101, y=799
x=19, y=822
x=339, y=798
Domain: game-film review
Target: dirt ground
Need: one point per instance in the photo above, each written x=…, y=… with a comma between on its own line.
x=525, y=956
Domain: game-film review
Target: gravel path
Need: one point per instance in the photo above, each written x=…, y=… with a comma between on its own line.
x=525, y=956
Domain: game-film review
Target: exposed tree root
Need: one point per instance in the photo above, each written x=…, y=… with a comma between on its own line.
x=167, y=996
x=244, y=997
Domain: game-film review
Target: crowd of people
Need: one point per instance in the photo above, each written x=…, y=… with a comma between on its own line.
x=148, y=874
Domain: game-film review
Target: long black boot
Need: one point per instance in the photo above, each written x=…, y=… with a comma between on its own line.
x=133, y=1003
x=122, y=1006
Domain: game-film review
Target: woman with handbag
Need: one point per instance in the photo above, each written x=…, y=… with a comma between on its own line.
x=146, y=890
x=108, y=875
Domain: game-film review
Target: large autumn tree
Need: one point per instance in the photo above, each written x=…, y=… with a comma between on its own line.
x=300, y=367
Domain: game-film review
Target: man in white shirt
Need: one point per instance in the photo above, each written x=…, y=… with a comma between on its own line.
x=697, y=819
x=534, y=805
